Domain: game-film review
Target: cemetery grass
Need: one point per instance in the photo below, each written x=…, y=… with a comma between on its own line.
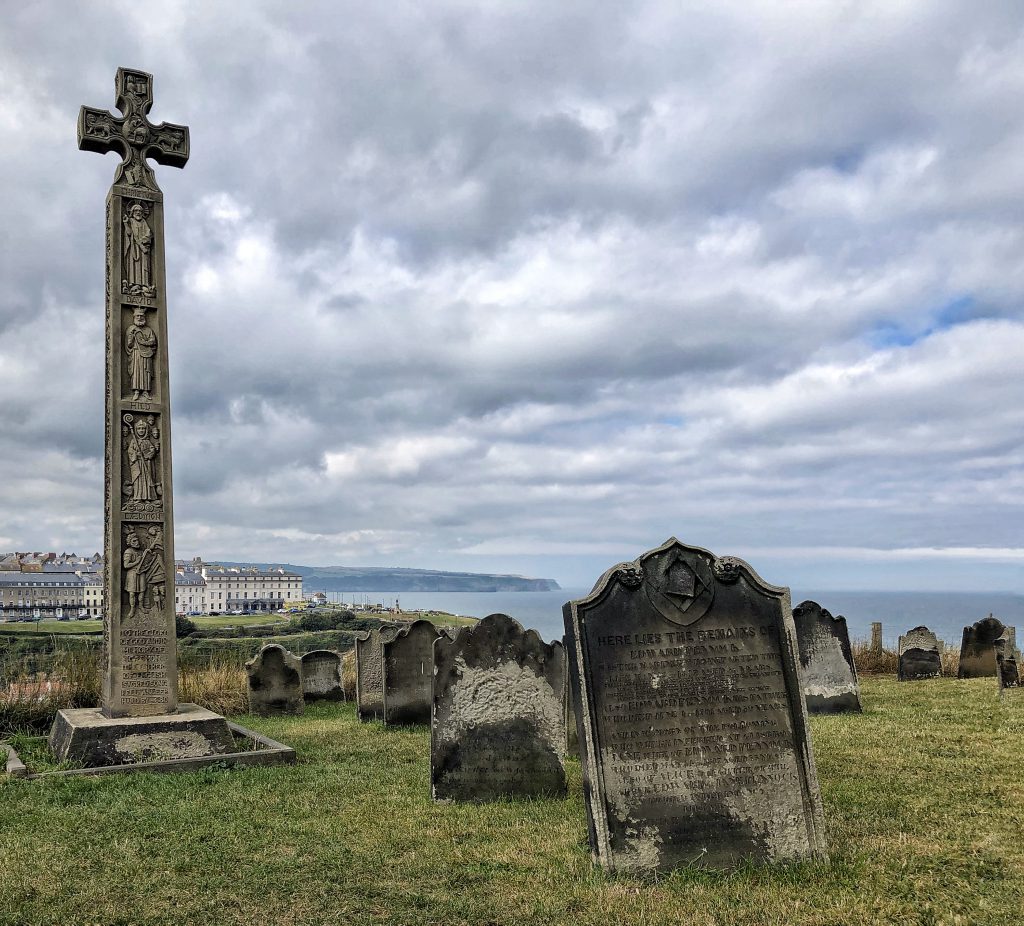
x=923, y=796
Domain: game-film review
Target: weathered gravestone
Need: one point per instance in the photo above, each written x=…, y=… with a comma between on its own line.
x=370, y=672
x=826, y=661
x=321, y=676
x=693, y=730
x=572, y=742
x=918, y=655
x=139, y=702
x=498, y=722
x=275, y=682
x=1007, y=670
x=978, y=649
x=408, y=662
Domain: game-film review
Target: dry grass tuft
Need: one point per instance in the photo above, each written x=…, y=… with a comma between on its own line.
x=873, y=662
x=219, y=686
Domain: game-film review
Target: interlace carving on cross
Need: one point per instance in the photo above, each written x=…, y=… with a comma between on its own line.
x=132, y=135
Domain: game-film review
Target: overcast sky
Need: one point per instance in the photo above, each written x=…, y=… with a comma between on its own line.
x=530, y=287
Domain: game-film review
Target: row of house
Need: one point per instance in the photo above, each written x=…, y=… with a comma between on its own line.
x=47, y=585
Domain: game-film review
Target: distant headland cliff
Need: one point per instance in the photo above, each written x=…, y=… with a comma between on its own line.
x=388, y=579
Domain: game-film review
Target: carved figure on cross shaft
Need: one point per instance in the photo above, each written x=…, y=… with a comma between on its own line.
x=138, y=243
x=140, y=343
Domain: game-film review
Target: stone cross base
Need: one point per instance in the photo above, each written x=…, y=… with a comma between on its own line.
x=84, y=735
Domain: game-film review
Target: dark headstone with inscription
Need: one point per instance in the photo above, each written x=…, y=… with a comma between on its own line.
x=918, y=655
x=370, y=672
x=408, y=661
x=275, y=682
x=321, y=676
x=693, y=729
x=498, y=723
x=572, y=742
x=826, y=661
x=1008, y=670
x=978, y=649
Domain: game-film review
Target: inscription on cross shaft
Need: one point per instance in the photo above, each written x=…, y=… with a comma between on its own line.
x=140, y=664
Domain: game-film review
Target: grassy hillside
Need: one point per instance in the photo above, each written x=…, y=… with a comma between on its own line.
x=923, y=793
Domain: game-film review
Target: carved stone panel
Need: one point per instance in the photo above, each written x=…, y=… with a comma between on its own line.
x=694, y=739
x=142, y=491
x=141, y=356
x=826, y=661
x=498, y=723
x=137, y=250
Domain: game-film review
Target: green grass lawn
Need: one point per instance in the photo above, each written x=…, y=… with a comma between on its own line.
x=52, y=625
x=923, y=798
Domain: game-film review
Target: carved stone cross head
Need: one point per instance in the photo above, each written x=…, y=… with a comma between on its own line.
x=132, y=135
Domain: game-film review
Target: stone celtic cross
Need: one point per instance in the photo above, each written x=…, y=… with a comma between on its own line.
x=140, y=675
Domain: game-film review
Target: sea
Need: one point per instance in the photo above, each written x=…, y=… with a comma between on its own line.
x=944, y=613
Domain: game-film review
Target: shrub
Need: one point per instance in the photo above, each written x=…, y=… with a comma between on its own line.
x=317, y=620
x=183, y=626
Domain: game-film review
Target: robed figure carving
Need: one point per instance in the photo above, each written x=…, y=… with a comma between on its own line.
x=142, y=438
x=138, y=245
x=140, y=344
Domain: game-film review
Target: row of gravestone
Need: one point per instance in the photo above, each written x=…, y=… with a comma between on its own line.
x=692, y=680
x=281, y=682
x=988, y=648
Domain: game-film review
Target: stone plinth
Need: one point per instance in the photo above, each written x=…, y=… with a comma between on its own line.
x=86, y=736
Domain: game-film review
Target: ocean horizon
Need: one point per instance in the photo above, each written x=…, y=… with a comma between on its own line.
x=944, y=613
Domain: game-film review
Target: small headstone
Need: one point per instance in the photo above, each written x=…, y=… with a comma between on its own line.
x=876, y=637
x=919, y=656
x=408, y=674
x=978, y=649
x=498, y=723
x=1008, y=671
x=826, y=661
x=370, y=672
x=275, y=682
x=694, y=738
x=321, y=676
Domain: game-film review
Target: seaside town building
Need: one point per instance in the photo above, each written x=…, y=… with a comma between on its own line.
x=65, y=586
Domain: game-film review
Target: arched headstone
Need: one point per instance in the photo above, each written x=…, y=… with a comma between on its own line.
x=978, y=648
x=498, y=722
x=918, y=654
x=370, y=672
x=826, y=661
x=408, y=662
x=321, y=676
x=275, y=682
x=694, y=740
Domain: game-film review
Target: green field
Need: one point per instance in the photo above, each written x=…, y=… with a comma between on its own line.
x=923, y=794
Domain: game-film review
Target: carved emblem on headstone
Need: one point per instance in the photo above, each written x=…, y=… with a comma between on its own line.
x=681, y=587
x=137, y=262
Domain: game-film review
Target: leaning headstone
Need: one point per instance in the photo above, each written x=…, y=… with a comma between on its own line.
x=694, y=739
x=978, y=649
x=139, y=664
x=918, y=655
x=275, y=682
x=321, y=676
x=876, y=637
x=408, y=662
x=370, y=672
x=826, y=661
x=498, y=722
